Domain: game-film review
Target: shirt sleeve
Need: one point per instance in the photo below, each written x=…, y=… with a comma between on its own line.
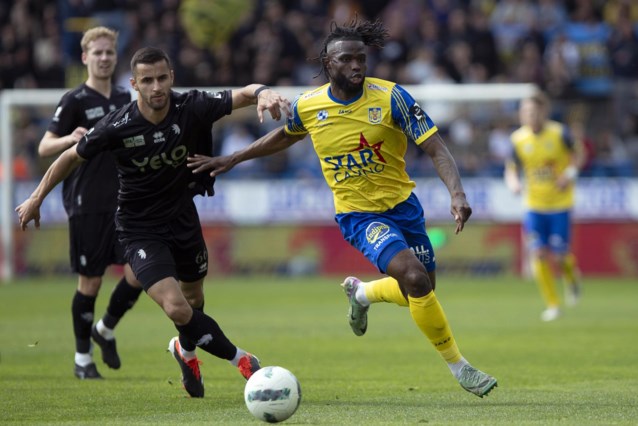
x=96, y=140
x=211, y=106
x=567, y=138
x=294, y=125
x=64, y=119
x=409, y=116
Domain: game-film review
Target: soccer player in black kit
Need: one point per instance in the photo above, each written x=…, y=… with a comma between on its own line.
x=156, y=218
x=90, y=200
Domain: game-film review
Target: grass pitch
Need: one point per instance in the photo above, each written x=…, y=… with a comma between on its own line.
x=579, y=370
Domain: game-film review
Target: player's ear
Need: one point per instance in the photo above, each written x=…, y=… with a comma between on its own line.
x=133, y=83
x=84, y=58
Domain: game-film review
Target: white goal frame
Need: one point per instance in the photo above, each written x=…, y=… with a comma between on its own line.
x=454, y=93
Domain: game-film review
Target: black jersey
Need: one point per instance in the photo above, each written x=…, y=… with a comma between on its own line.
x=92, y=187
x=151, y=159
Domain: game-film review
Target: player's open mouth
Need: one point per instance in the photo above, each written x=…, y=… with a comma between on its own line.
x=357, y=78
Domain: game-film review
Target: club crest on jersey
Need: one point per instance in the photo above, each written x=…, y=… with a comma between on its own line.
x=374, y=115
x=322, y=115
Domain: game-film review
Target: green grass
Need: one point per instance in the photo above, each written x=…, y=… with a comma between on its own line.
x=579, y=370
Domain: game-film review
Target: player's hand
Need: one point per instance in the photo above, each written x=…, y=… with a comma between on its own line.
x=215, y=165
x=78, y=134
x=27, y=211
x=274, y=103
x=461, y=211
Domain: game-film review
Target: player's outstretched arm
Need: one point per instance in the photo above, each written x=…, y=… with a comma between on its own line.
x=274, y=141
x=266, y=100
x=449, y=173
x=30, y=209
x=52, y=144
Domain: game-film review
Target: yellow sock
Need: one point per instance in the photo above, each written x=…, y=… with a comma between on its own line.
x=428, y=315
x=385, y=290
x=570, y=271
x=546, y=283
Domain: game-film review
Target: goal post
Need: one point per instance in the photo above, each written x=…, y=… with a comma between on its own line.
x=15, y=98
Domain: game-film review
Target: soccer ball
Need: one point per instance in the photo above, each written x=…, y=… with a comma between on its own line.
x=272, y=394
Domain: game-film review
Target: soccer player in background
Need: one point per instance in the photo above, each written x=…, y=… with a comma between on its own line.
x=90, y=200
x=156, y=218
x=360, y=128
x=549, y=159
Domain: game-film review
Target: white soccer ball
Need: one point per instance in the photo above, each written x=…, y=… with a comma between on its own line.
x=272, y=394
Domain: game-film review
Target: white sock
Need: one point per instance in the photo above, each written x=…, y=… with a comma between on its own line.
x=188, y=355
x=360, y=295
x=455, y=367
x=240, y=353
x=104, y=331
x=83, y=359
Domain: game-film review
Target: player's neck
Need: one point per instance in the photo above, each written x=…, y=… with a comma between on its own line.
x=101, y=86
x=153, y=115
x=343, y=95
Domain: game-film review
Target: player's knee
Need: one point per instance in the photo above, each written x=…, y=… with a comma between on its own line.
x=179, y=313
x=89, y=286
x=416, y=282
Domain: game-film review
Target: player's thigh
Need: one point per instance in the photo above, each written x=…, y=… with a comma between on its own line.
x=189, y=248
x=410, y=219
x=559, y=232
x=150, y=259
x=93, y=244
x=537, y=230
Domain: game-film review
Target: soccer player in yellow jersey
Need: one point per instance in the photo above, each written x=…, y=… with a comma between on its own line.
x=360, y=127
x=549, y=159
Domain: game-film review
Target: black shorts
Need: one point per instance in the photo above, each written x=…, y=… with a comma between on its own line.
x=93, y=244
x=175, y=250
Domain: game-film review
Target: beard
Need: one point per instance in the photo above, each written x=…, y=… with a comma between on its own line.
x=342, y=83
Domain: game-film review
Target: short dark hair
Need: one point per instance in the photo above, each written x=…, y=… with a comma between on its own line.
x=370, y=33
x=149, y=55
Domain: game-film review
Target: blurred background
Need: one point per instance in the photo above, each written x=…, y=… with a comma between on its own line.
x=274, y=215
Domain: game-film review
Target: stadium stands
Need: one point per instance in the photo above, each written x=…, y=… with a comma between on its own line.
x=585, y=54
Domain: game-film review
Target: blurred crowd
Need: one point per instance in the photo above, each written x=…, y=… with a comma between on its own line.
x=584, y=53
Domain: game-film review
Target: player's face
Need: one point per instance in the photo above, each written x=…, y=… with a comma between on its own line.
x=346, y=65
x=153, y=83
x=531, y=114
x=100, y=58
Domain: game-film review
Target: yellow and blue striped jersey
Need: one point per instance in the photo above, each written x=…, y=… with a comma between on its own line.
x=361, y=143
x=543, y=157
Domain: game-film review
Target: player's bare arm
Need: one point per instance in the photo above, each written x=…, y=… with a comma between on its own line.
x=52, y=144
x=274, y=141
x=512, y=178
x=63, y=166
x=449, y=173
x=265, y=98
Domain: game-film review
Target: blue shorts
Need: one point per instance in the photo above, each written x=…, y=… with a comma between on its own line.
x=550, y=230
x=380, y=236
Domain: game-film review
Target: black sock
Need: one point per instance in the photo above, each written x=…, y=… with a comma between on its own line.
x=122, y=299
x=82, y=310
x=184, y=341
x=206, y=332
